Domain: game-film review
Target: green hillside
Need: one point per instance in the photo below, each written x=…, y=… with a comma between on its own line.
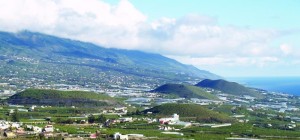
x=185, y=91
x=53, y=58
x=61, y=98
x=200, y=113
x=228, y=87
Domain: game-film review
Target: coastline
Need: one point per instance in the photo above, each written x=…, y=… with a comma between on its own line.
x=288, y=85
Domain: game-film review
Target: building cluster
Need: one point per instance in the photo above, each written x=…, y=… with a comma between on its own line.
x=18, y=129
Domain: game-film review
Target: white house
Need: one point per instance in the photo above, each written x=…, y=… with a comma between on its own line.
x=4, y=125
x=119, y=136
x=172, y=120
x=49, y=128
x=32, y=107
x=121, y=109
x=22, y=110
x=37, y=129
x=127, y=119
x=15, y=125
x=166, y=128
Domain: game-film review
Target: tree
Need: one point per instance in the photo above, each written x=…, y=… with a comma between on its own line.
x=15, y=116
x=58, y=120
x=138, y=112
x=101, y=119
x=91, y=119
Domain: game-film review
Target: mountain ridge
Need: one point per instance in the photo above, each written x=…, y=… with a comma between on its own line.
x=228, y=87
x=198, y=112
x=50, y=51
x=62, y=98
x=185, y=91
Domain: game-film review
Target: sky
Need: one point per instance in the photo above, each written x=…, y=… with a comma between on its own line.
x=231, y=38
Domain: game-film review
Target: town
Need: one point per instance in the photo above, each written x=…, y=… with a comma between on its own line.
x=278, y=112
x=149, y=70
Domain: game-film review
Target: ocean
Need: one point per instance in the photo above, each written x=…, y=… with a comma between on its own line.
x=289, y=85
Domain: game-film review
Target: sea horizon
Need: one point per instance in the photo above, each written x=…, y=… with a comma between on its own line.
x=289, y=85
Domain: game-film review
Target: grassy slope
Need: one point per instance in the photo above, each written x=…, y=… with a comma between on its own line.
x=61, y=98
x=201, y=113
x=228, y=87
x=46, y=47
x=42, y=93
x=186, y=91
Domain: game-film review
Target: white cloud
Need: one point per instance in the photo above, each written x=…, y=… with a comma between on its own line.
x=235, y=66
x=226, y=61
x=286, y=49
x=290, y=51
x=124, y=26
x=92, y=20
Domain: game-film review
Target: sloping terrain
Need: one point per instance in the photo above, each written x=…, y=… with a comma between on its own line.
x=228, y=87
x=34, y=55
x=184, y=91
x=200, y=113
x=62, y=98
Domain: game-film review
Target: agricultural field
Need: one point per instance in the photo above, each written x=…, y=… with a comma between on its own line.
x=82, y=122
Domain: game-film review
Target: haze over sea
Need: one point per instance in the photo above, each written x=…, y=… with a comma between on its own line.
x=289, y=85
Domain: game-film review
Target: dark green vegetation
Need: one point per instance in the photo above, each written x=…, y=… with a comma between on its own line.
x=241, y=130
x=185, y=91
x=61, y=98
x=190, y=112
x=63, y=121
x=15, y=117
x=69, y=120
x=34, y=55
x=228, y=87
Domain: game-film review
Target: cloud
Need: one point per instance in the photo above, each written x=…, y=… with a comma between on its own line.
x=289, y=51
x=206, y=40
x=286, y=49
x=124, y=26
x=192, y=39
x=236, y=66
x=93, y=20
x=227, y=61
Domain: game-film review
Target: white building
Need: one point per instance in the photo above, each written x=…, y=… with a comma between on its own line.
x=49, y=128
x=37, y=129
x=4, y=125
x=172, y=120
x=127, y=119
x=16, y=125
x=32, y=107
x=119, y=136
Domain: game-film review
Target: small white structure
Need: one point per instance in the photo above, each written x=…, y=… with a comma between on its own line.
x=119, y=136
x=37, y=129
x=15, y=125
x=238, y=116
x=4, y=125
x=184, y=124
x=247, y=97
x=22, y=110
x=291, y=126
x=221, y=125
x=166, y=128
x=172, y=120
x=49, y=128
x=32, y=107
x=173, y=133
x=281, y=110
x=120, y=109
x=11, y=111
x=135, y=136
x=127, y=119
